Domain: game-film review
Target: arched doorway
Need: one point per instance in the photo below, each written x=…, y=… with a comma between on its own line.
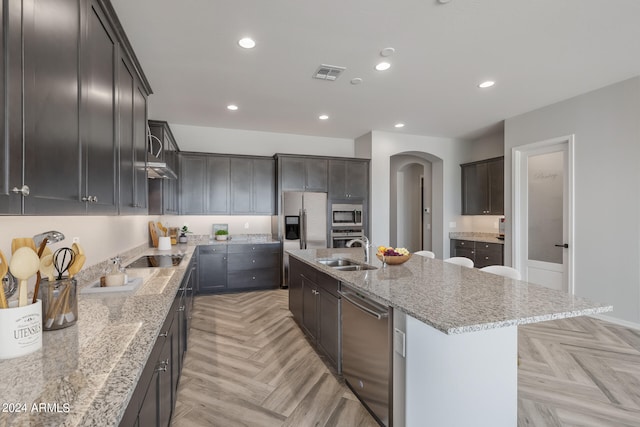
x=416, y=201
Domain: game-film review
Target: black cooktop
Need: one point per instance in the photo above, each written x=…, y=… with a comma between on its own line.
x=149, y=261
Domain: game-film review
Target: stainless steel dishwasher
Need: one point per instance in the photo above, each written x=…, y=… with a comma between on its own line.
x=366, y=352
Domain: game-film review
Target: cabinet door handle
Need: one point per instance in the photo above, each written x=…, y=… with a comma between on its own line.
x=181, y=308
x=164, y=334
x=24, y=190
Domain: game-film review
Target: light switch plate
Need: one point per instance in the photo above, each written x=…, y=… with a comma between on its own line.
x=399, y=342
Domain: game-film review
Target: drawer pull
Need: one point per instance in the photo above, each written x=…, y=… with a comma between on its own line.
x=181, y=309
x=164, y=334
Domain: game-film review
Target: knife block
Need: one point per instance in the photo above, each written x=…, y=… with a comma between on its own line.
x=20, y=329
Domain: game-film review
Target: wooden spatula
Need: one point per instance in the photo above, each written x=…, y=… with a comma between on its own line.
x=24, y=264
x=20, y=242
x=4, y=267
x=154, y=233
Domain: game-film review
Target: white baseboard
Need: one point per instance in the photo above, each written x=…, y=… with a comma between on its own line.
x=617, y=321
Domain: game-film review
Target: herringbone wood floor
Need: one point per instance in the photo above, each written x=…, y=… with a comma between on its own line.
x=249, y=364
x=578, y=372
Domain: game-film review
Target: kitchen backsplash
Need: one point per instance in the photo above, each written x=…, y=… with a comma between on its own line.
x=203, y=224
x=477, y=223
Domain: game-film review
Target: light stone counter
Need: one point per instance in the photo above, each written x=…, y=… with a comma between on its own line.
x=473, y=364
x=476, y=237
x=86, y=373
x=451, y=298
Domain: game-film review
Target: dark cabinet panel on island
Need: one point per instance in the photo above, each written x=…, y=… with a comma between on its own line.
x=315, y=304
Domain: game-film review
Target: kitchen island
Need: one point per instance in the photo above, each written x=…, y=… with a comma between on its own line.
x=457, y=365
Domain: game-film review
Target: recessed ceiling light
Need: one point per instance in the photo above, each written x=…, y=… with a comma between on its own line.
x=383, y=66
x=247, y=43
x=387, y=51
x=399, y=125
x=356, y=81
x=232, y=107
x=323, y=117
x=486, y=84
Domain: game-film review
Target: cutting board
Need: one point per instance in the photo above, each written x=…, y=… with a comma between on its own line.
x=153, y=231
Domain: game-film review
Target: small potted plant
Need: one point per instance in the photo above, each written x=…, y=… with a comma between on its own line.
x=183, y=234
x=222, y=235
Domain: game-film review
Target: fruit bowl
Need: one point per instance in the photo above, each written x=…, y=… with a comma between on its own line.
x=393, y=259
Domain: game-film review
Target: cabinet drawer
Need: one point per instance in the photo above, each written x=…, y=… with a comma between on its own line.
x=268, y=278
x=213, y=249
x=460, y=244
x=328, y=283
x=488, y=254
x=244, y=261
x=249, y=248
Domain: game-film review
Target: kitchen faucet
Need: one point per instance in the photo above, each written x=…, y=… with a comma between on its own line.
x=364, y=241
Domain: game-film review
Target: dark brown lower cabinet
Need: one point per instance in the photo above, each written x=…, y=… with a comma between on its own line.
x=481, y=253
x=315, y=304
x=155, y=395
x=239, y=267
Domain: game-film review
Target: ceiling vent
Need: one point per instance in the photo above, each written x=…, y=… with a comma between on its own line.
x=328, y=72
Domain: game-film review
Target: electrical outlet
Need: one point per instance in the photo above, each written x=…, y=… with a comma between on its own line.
x=246, y=225
x=452, y=224
x=75, y=240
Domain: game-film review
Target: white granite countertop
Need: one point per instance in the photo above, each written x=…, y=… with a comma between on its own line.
x=476, y=236
x=451, y=298
x=88, y=372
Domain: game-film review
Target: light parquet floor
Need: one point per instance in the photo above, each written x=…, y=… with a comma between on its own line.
x=249, y=364
x=578, y=372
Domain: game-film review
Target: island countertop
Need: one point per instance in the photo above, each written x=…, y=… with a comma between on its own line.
x=451, y=298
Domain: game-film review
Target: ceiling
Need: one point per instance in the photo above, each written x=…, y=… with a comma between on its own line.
x=538, y=52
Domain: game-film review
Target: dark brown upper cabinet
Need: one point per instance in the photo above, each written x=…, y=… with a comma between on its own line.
x=483, y=187
x=62, y=126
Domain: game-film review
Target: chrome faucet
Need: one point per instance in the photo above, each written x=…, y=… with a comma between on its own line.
x=364, y=241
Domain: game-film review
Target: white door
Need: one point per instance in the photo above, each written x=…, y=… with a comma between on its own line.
x=543, y=213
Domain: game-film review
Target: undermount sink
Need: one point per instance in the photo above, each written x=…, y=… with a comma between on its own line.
x=355, y=267
x=343, y=264
x=336, y=262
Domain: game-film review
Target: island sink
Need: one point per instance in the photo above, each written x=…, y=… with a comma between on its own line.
x=343, y=264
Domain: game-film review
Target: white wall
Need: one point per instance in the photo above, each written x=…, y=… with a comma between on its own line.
x=256, y=143
x=606, y=124
x=446, y=196
x=102, y=237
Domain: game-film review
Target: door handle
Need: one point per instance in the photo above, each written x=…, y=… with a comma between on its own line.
x=564, y=245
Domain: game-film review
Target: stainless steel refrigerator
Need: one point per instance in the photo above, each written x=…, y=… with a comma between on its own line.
x=304, y=223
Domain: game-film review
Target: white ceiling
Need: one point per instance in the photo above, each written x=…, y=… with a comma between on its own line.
x=538, y=52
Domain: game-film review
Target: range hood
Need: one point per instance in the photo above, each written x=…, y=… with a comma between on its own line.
x=160, y=170
x=155, y=167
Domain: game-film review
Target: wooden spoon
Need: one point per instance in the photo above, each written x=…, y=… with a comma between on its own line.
x=21, y=242
x=77, y=264
x=36, y=289
x=77, y=249
x=24, y=264
x=46, y=267
x=4, y=267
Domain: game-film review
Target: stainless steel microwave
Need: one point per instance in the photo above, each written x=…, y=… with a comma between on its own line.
x=346, y=214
